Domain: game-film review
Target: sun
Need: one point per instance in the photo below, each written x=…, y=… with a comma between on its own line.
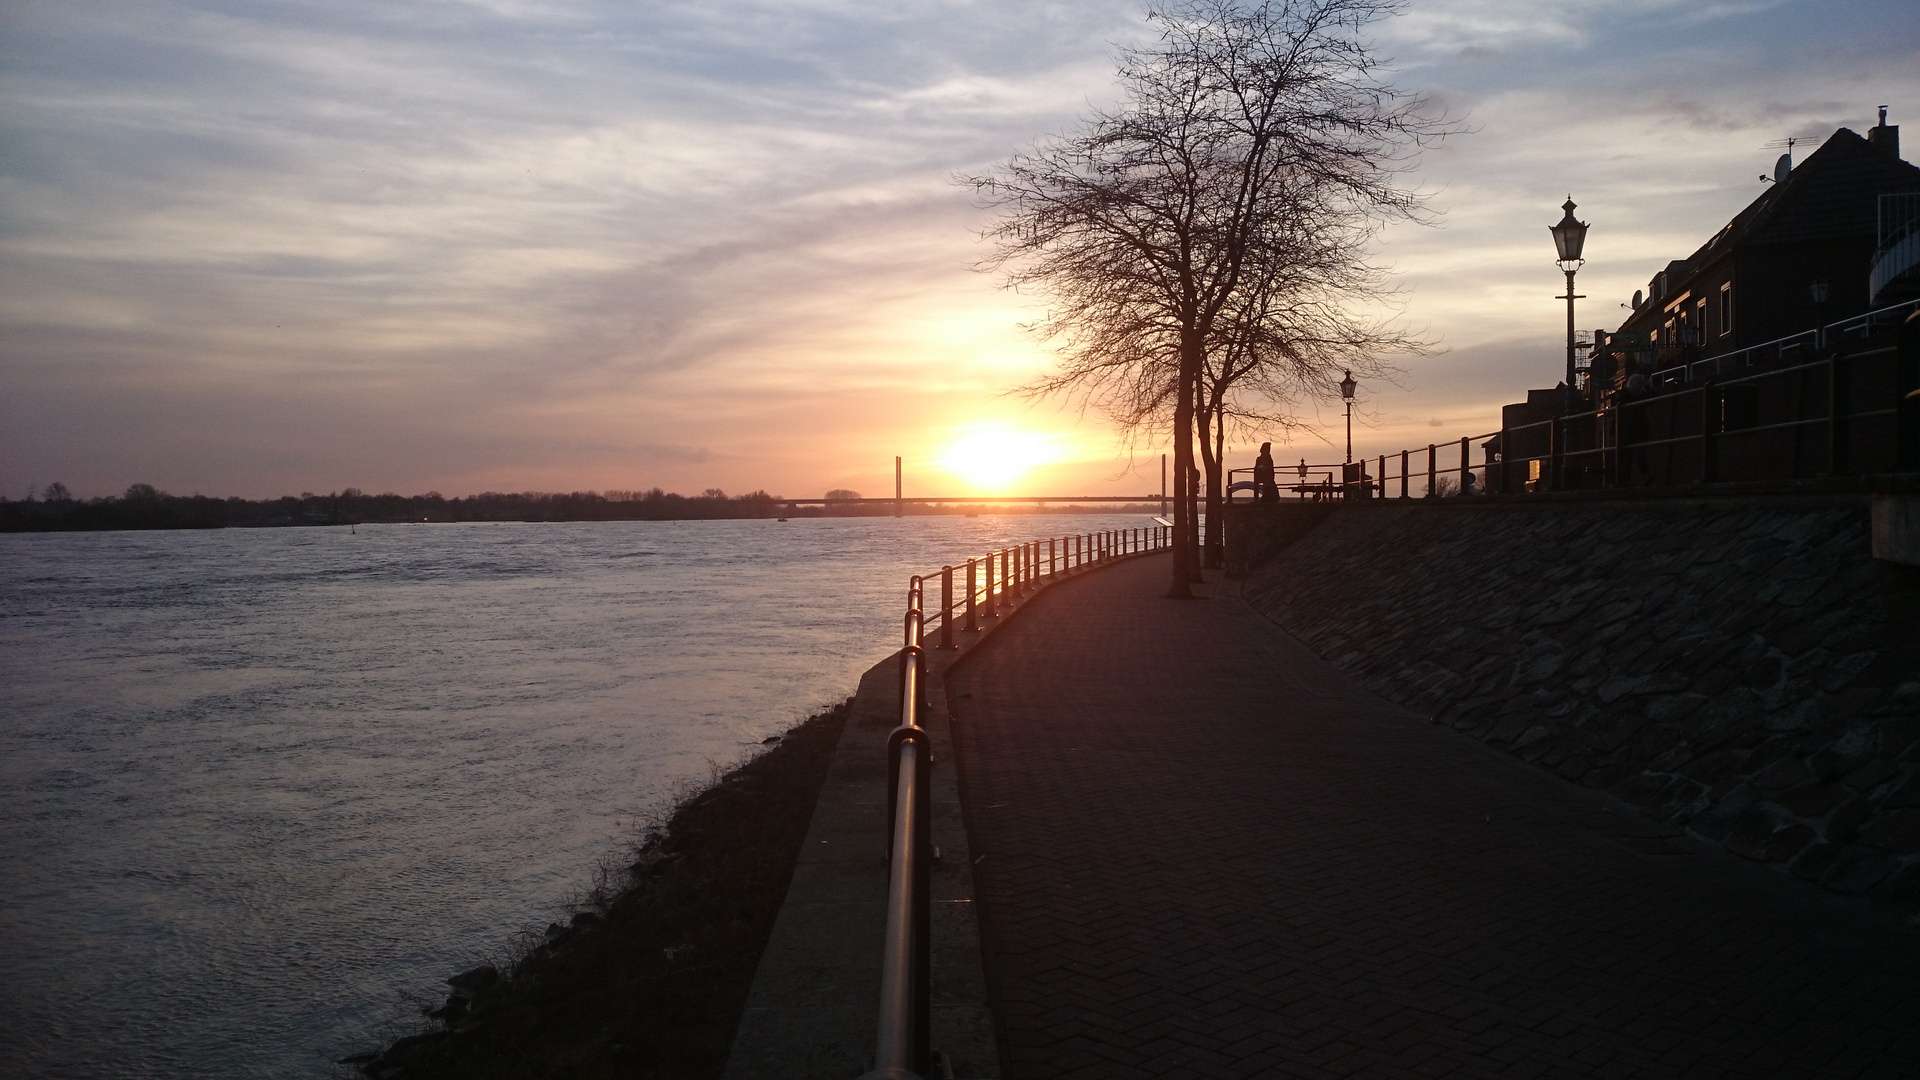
x=993, y=457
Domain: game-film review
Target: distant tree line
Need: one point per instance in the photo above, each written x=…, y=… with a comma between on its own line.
x=142, y=506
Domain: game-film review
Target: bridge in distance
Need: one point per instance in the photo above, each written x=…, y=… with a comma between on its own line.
x=979, y=499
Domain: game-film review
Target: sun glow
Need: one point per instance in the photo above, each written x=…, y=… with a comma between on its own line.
x=993, y=457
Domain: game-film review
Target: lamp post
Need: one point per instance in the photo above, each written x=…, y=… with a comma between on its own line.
x=1346, y=391
x=1569, y=236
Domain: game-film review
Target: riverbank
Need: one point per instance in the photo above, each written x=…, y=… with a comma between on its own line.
x=649, y=982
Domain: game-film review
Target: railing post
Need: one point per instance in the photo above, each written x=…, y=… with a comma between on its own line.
x=1620, y=456
x=1433, y=469
x=1382, y=487
x=1403, y=474
x=1466, y=464
x=1053, y=567
x=973, y=624
x=946, y=608
x=1555, y=455
x=1006, y=577
x=992, y=602
x=1709, y=442
x=1837, y=463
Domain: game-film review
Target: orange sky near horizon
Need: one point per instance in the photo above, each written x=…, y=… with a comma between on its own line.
x=599, y=245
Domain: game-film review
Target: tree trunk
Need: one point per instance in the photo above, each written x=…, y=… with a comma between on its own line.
x=1213, y=452
x=1184, y=563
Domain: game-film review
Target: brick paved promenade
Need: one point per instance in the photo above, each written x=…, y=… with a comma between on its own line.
x=1202, y=851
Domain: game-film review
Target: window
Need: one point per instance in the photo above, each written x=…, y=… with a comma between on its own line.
x=1726, y=309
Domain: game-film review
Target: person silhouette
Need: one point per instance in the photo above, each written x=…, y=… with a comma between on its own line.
x=1264, y=488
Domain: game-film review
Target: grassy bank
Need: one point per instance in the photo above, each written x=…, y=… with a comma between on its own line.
x=649, y=982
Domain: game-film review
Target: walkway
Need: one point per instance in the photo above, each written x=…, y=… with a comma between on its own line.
x=1202, y=851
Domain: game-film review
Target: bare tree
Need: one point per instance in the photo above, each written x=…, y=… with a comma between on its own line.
x=1291, y=331
x=1159, y=230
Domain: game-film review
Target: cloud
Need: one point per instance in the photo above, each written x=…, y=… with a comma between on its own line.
x=582, y=243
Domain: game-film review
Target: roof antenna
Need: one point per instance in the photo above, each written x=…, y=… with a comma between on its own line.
x=1785, y=165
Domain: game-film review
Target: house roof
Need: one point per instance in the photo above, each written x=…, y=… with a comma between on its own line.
x=1828, y=197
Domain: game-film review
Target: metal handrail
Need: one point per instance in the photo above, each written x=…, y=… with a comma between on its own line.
x=902, y=1047
x=1815, y=338
x=975, y=589
x=1359, y=481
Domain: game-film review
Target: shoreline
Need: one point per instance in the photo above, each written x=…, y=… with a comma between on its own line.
x=650, y=981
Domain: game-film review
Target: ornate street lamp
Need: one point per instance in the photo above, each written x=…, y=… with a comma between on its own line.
x=1346, y=391
x=1569, y=236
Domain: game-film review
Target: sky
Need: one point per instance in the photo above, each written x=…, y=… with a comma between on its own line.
x=258, y=248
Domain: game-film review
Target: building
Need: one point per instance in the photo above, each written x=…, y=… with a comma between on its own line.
x=1767, y=353
x=1811, y=249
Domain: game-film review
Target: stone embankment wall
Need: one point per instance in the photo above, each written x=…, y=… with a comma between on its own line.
x=1744, y=670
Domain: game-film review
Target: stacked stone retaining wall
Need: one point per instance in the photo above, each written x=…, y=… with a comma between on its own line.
x=1744, y=670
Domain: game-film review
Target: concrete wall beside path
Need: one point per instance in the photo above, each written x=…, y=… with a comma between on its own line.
x=1740, y=667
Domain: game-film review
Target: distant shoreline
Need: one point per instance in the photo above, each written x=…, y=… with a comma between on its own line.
x=145, y=510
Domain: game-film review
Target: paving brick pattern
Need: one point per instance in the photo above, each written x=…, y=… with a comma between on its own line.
x=1201, y=851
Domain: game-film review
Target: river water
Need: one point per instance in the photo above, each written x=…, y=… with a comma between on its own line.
x=262, y=789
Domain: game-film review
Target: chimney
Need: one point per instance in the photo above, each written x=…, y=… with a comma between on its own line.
x=1885, y=137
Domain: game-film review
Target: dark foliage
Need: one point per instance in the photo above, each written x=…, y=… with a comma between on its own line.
x=142, y=507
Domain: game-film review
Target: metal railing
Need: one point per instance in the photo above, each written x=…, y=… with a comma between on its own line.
x=1696, y=426
x=978, y=588
x=902, y=1047
x=1898, y=250
x=1787, y=349
x=1367, y=479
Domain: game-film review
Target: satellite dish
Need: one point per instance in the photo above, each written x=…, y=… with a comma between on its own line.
x=1782, y=167
x=1638, y=299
